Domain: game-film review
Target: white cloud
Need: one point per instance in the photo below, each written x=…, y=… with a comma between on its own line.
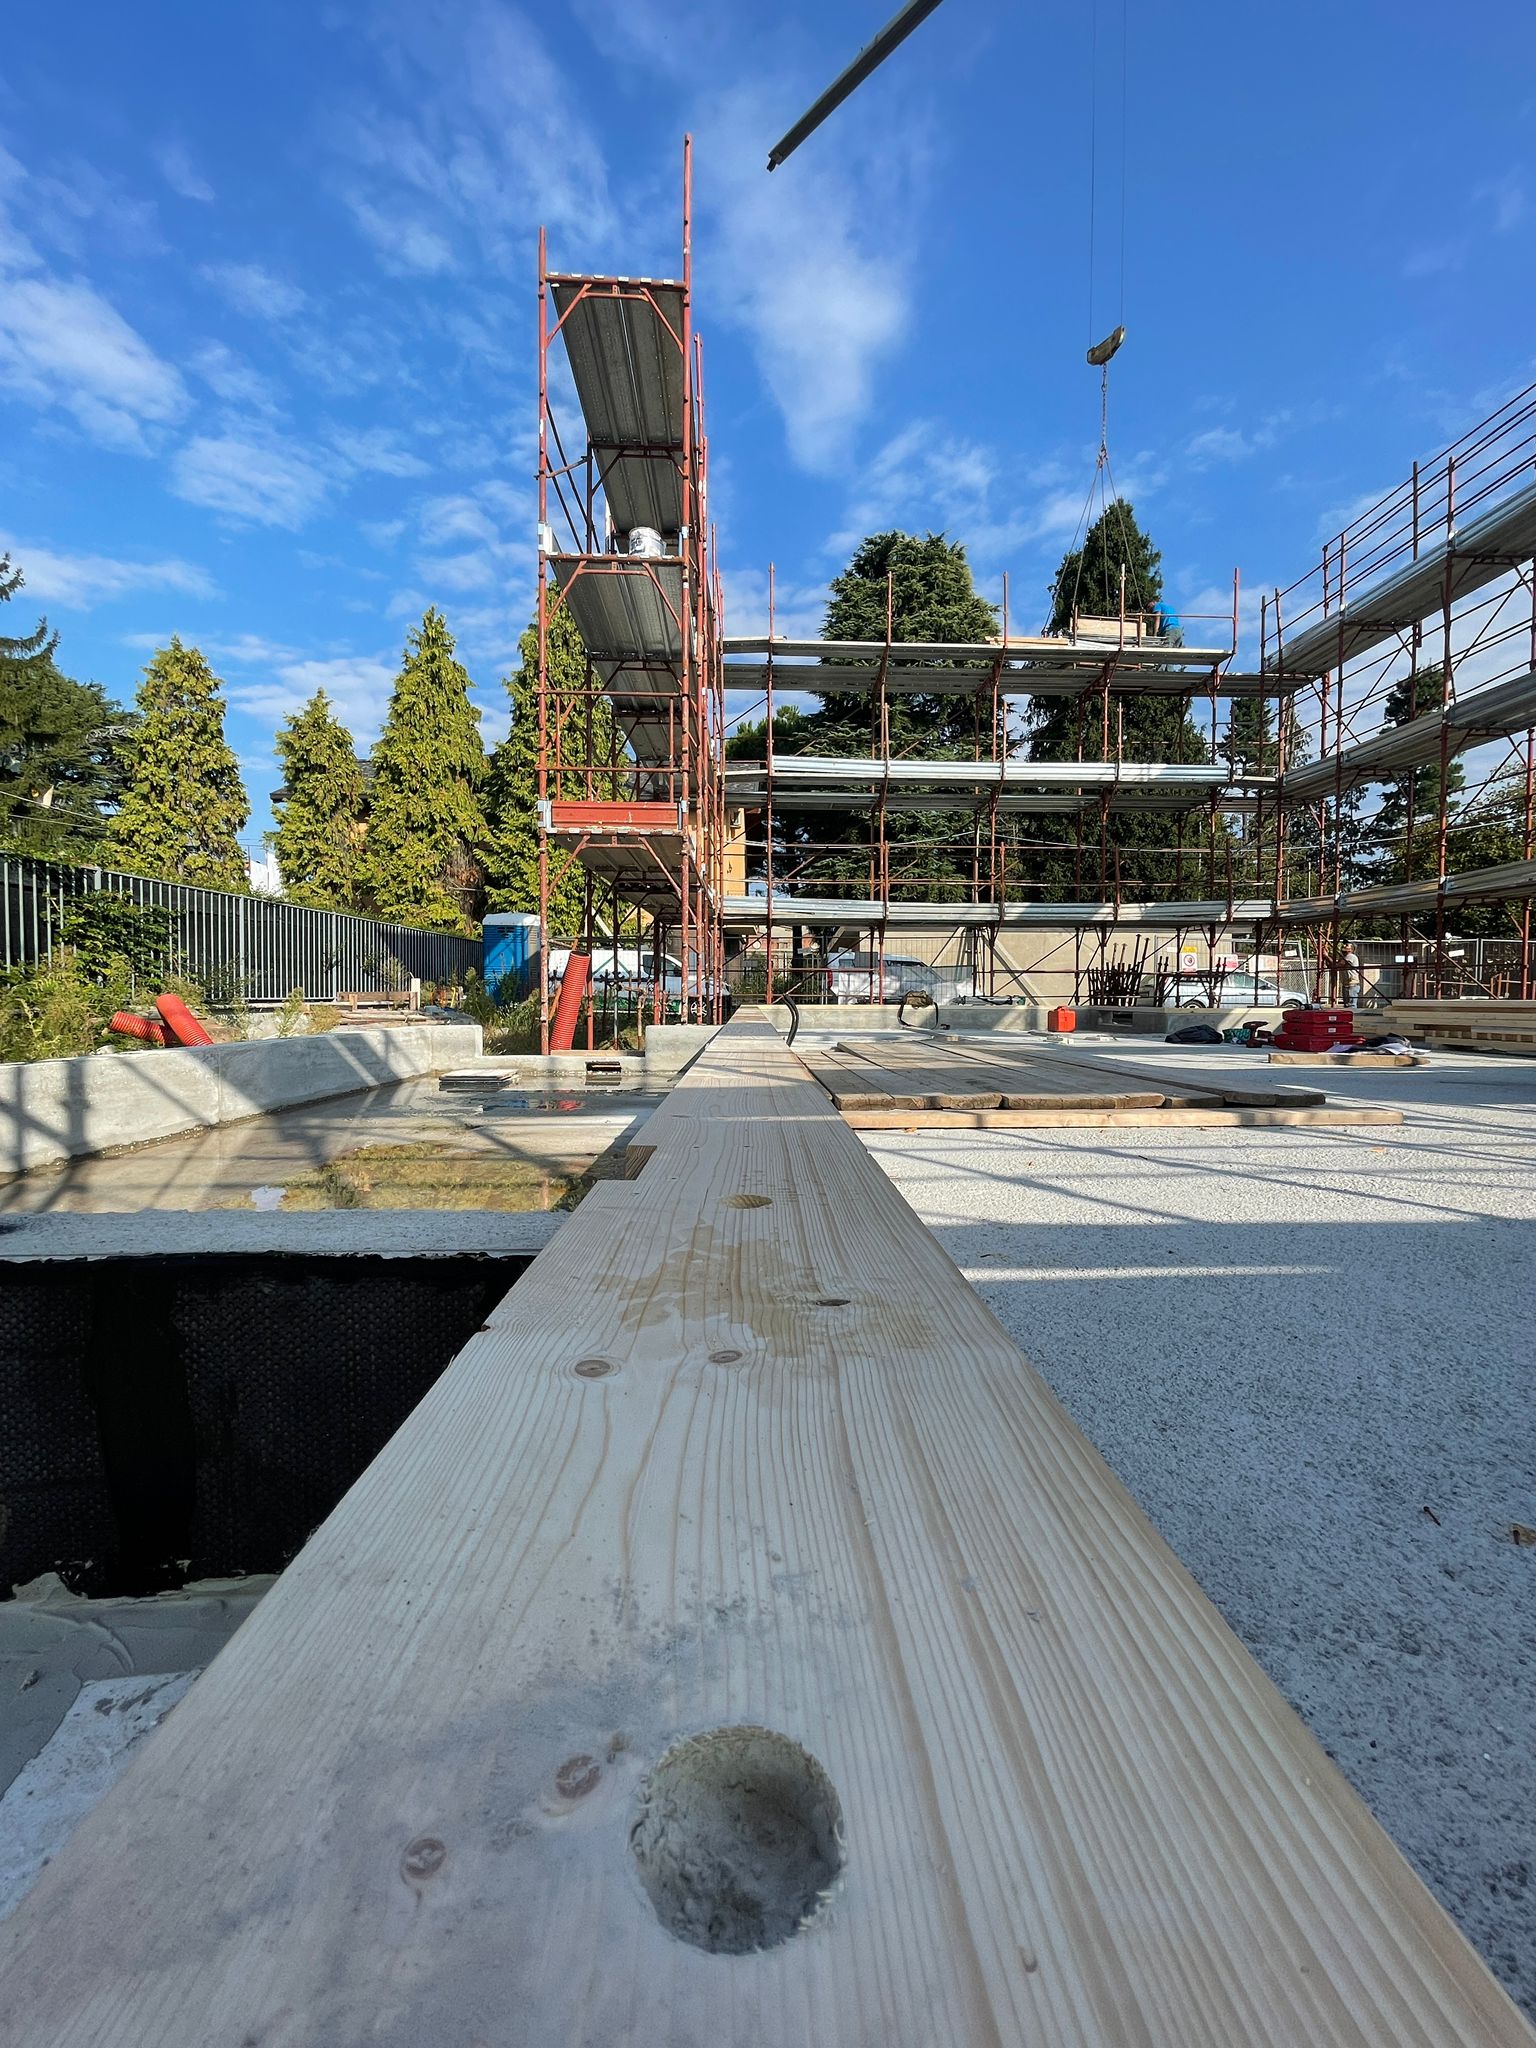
x=79, y=581
x=357, y=684
x=490, y=140
x=230, y=377
x=253, y=476
x=407, y=248
x=255, y=291
x=456, y=517
x=375, y=449
x=181, y=174
x=63, y=345
x=383, y=532
x=1431, y=259
x=799, y=608
x=1506, y=197
x=788, y=263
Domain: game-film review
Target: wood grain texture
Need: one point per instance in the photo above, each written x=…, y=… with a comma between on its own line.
x=740, y=1447
x=1096, y=1119
x=1237, y=1094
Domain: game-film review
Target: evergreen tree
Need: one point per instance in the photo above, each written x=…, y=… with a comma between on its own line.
x=1178, y=851
x=589, y=734
x=1141, y=727
x=320, y=817
x=61, y=761
x=425, y=825
x=933, y=599
x=184, y=808
x=1411, y=803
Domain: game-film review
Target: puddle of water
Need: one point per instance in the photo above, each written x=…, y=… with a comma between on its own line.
x=267, y=1198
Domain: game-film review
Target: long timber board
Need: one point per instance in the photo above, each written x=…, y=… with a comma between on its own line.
x=740, y=1451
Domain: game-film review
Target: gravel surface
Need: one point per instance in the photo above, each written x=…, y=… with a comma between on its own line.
x=1309, y=1354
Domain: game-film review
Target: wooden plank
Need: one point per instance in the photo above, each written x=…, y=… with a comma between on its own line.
x=1018, y=1083
x=1345, y=1059
x=1235, y=1094
x=740, y=1450
x=1093, y=1119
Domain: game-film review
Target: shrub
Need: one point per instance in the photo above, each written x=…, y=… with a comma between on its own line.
x=52, y=1011
x=292, y=1015
x=109, y=934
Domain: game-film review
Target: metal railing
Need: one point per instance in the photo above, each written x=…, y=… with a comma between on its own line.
x=257, y=946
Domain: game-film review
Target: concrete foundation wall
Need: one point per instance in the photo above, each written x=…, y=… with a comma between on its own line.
x=52, y=1110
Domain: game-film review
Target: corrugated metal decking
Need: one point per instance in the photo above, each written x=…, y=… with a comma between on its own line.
x=1481, y=551
x=863, y=912
x=622, y=612
x=1484, y=714
x=623, y=342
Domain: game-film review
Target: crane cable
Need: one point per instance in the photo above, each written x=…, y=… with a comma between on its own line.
x=1102, y=485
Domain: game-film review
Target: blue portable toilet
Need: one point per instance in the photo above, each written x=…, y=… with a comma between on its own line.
x=511, y=954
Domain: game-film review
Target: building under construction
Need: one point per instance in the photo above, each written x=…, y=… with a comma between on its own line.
x=1380, y=780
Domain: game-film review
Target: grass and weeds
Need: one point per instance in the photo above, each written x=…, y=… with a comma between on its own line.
x=424, y=1175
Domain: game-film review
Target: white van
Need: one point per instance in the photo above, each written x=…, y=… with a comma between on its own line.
x=861, y=978
x=620, y=965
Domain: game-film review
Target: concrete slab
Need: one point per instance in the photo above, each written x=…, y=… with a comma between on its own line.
x=82, y=1682
x=334, y=1233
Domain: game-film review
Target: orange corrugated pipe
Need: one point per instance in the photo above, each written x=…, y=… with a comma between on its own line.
x=129, y=1024
x=573, y=986
x=180, y=1022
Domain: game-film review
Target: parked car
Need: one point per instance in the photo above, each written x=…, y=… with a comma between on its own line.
x=855, y=977
x=623, y=968
x=1237, y=991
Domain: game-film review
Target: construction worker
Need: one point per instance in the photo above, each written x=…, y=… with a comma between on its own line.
x=1352, y=991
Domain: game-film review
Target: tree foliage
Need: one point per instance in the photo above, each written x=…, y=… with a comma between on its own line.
x=1411, y=803
x=184, y=807
x=1183, y=852
x=61, y=744
x=426, y=825
x=932, y=598
x=1141, y=727
x=320, y=814
x=589, y=736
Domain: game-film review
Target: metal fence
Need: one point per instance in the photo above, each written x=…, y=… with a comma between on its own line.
x=257, y=946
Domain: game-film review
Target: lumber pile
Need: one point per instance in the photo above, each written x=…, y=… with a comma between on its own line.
x=739, y=1645
x=920, y=1081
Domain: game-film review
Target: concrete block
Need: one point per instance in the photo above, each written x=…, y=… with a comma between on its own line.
x=52, y=1110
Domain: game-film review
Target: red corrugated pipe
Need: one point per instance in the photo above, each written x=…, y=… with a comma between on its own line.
x=128, y=1024
x=573, y=986
x=180, y=1022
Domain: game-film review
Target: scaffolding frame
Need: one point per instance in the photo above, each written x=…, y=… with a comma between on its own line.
x=636, y=797
x=1433, y=586
x=630, y=793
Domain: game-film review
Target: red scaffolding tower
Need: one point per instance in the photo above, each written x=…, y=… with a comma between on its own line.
x=630, y=791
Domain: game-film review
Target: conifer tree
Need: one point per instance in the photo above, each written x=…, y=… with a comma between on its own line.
x=1146, y=848
x=512, y=788
x=1411, y=803
x=61, y=755
x=932, y=598
x=319, y=837
x=425, y=823
x=1141, y=727
x=184, y=807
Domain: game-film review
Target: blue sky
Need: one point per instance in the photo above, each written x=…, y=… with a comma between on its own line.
x=267, y=311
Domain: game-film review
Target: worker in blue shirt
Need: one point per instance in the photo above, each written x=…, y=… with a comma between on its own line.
x=1168, y=625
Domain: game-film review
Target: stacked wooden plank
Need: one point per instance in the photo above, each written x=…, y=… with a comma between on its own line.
x=921, y=1081
x=739, y=1583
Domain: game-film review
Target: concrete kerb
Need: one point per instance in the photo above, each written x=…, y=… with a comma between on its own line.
x=52, y=1110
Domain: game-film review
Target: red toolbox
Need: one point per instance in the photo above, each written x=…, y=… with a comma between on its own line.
x=1314, y=1030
